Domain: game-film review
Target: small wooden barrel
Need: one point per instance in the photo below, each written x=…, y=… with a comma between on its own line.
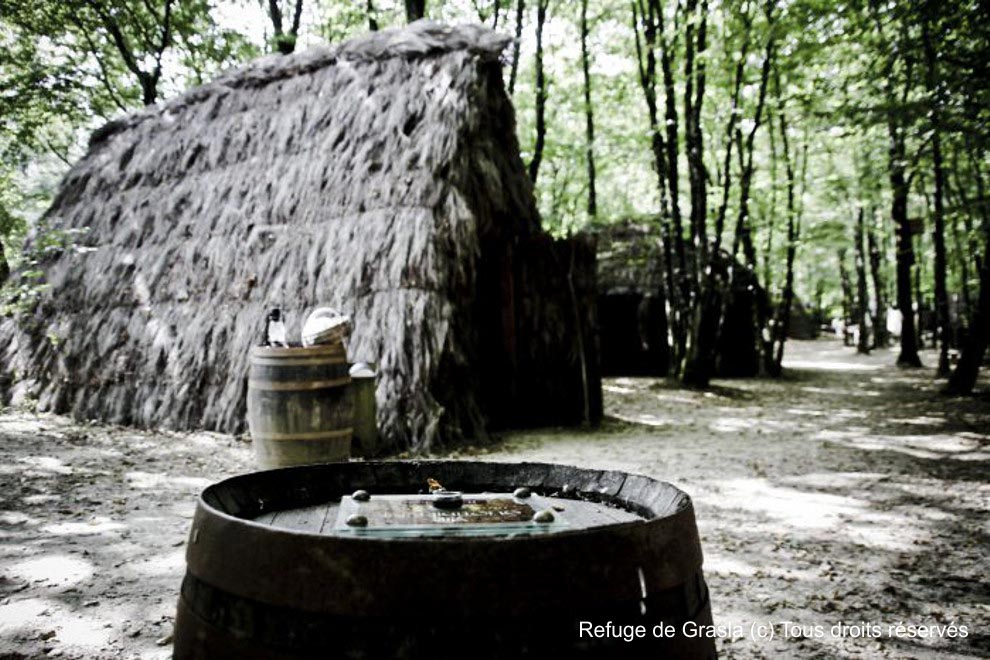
x=300, y=406
x=274, y=570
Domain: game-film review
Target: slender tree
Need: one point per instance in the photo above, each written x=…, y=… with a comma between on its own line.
x=541, y=93
x=938, y=225
x=900, y=186
x=782, y=323
x=140, y=40
x=285, y=36
x=848, y=304
x=514, y=64
x=372, y=16
x=862, y=296
x=743, y=233
x=963, y=378
x=646, y=28
x=880, y=336
x=4, y=266
x=589, y=119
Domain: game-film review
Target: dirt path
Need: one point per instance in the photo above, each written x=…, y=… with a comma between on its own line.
x=848, y=492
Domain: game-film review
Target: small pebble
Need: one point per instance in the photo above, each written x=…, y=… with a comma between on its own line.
x=567, y=488
x=357, y=520
x=521, y=492
x=545, y=516
x=361, y=496
x=164, y=641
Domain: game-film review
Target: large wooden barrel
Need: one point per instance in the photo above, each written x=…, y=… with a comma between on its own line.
x=300, y=406
x=276, y=571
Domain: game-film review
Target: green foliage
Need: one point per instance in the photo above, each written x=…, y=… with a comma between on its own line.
x=67, y=66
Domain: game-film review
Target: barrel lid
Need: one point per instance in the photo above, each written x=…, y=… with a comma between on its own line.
x=479, y=514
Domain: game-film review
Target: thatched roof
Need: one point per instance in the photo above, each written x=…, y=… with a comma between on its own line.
x=367, y=175
x=630, y=257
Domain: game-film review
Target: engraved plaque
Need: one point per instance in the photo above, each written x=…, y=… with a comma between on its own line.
x=483, y=514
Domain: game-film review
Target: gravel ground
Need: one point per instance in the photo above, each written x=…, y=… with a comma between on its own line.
x=848, y=493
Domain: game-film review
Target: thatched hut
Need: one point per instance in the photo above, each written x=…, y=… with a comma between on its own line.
x=381, y=176
x=632, y=319
x=631, y=306
x=803, y=323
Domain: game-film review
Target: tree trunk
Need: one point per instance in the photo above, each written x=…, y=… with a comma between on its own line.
x=541, y=93
x=905, y=252
x=415, y=10
x=645, y=19
x=285, y=40
x=938, y=231
x=699, y=361
x=896, y=159
x=730, y=130
x=496, y=13
x=847, y=297
x=862, y=296
x=372, y=16
x=514, y=66
x=589, y=119
x=744, y=234
x=133, y=60
x=963, y=379
x=772, y=213
x=880, y=335
x=4, y=266
x=962, y=264
x=774, y=360
x=681, y=291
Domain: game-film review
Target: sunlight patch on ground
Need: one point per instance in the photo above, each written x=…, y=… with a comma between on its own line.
x=47, y=464
x=41, y=499
x=61, y=570
x=852, y=480
x=75, y=630
x=831, y=365
x=808, y=413
x=17, y=424
x=645, y=419
x=44, y=615
x=921, y=420
x=20, y=614
x=814, y=512
x=17, y=518
x=794, y=507
x=721, y=564
x=736, y=424
x=148, y=480
x=731, y=424
x=98, y=525
x=618, y=389
x=673, y=398
x=631, y=383
x=935, y=446
x=171, y=563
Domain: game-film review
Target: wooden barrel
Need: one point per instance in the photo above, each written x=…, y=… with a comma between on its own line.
x=300, y=406
x=273, y=573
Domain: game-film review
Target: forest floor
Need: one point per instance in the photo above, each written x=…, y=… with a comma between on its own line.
x=848, y=492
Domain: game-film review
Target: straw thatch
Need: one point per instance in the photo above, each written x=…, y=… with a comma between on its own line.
x=380, y=176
